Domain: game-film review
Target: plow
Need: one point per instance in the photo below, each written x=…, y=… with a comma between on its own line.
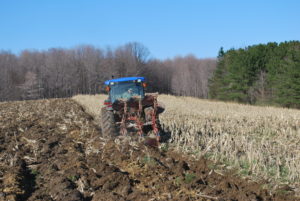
x=128, y=110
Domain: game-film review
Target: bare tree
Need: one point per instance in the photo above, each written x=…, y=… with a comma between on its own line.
x=10, y=76
x=130, y=59
x=30, y=88
x=190, y=75
x=61, y=72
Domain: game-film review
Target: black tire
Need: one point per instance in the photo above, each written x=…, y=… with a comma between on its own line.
x=108, y=124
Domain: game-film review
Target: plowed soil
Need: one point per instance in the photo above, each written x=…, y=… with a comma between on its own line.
x=53, y=150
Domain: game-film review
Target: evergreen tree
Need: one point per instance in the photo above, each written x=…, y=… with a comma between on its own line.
x=259, y=74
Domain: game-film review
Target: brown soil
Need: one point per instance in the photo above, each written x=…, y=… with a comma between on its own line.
x=52, y=150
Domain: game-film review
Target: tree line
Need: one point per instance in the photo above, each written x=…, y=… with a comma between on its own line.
x=60, y=72
x=259, y=74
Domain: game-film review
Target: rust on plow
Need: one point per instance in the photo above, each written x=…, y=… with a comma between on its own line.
x=138, y=113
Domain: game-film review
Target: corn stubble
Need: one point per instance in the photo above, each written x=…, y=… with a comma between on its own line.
x=261, y=142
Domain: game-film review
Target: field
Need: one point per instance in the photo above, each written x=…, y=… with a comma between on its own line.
x=53, y=150
x=262, y=143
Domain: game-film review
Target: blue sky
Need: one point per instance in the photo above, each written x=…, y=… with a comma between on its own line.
x=168, y=28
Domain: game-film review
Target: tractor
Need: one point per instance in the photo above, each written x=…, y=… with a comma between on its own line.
x=129, y=110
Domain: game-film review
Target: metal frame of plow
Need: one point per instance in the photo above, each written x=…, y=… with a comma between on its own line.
x=127, y=117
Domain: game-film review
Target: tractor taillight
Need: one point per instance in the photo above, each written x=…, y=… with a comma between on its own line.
x=108, y=104
x=107, y=88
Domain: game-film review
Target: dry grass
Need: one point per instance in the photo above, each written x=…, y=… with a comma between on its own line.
x=262, y=142
x=92, y=104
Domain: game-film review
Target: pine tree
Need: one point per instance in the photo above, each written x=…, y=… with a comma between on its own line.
x=259, y=74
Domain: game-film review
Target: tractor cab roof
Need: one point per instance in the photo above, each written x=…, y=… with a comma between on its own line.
x=124, y=79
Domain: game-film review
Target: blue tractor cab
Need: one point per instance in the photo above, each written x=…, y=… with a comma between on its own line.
x=125, y=88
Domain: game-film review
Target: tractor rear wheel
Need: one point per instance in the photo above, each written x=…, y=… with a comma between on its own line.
x=108, y=125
